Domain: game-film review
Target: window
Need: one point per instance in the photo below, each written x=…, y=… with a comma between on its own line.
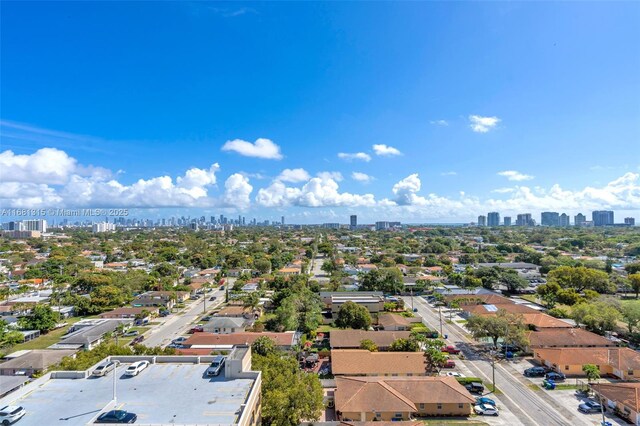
x=566, y=367
x=421, y=406
x=461, y=406
x=398, y=415
x=378, y=414
x=630, y=372
x=439, y=406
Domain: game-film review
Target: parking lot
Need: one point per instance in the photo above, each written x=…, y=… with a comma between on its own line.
x=161, y=394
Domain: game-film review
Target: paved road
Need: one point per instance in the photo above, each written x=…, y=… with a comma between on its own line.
x=316, y=269
x=178, y=324
x=530, y=407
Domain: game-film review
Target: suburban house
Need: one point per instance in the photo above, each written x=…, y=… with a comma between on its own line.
x=393, y=322
x=540, y=321
x=205, y=343
x=226, y=325
x=373, y=303
x=165, y=299
x=622, y=398
x=512, y=308
x=361, y=362
x=127, y=312
x=32, y=362
x=478, y=298
x=89, y=333
x=400, y=398
x=234, y=311
x=623, y=363
x=566, y=338
x=350, y=339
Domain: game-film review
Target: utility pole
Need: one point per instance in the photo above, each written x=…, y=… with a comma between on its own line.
x=115, y=376
x=440, y=314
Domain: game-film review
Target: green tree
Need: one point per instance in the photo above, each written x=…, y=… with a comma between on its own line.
x=404, y=345
x=513, y=281
x=42, y=318
x=632, y=268
x=263, y=346
x=549, y=294
x=502, y=325
x=580, y=278
x=634, y=282
x=369, y=345
x=598, y=317
x=631, y=315
x=289, y=395
x=434, y=358
x=352, y=315
x=591, y=371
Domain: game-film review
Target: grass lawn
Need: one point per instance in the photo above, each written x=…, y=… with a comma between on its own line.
x=326, y=328
x=45, y=340
x=625, y=302
x=530, y=297
x=123, y=341
x=534, y=387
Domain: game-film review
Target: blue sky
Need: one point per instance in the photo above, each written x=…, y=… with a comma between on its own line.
x=109, y=104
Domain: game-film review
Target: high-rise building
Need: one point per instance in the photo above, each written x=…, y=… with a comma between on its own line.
x=507, y=221
x=35, y=225
x=482, y=220
x=629, y=221
x=550, y=219
x=381, y=226
x=564, y=220
x=353, y=222
x=282, y=220
x=525, y=219
x=579, y=219
x=493, y=219
x=602, y=217
x=103, y=227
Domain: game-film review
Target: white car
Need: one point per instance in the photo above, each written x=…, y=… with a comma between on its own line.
x=455, y=374
x=485, y=410
x=135, y=368
x=11, y=414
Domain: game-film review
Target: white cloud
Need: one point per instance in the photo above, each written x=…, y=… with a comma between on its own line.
x=46, y=165
x=439, y=122
x=262, y=148
x=337, y=176
x=363, y=156
x=385, y=150
x=318, y=192
x=361, y=177
x=293, y=175
x=515, y=175
x=237, y=191
x=481, y=124
x=448, y=173
x=406, y=191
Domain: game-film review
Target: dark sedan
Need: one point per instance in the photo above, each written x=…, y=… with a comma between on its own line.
x=117, y=416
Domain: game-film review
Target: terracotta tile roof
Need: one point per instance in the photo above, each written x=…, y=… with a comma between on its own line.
x=473, y=299
x=566, y=337
x=619, y=358
x=246, y=338
x=491, y=309
x=352, y=338
x=231, y=310
x=397, y=394
x=389, y=320
x=625, y=393
x=540, y=320
x=361, y=361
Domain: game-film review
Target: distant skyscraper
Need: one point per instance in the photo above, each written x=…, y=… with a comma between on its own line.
x=282, y=220
x=550, y=219
x=482, y=220
x=524, y=219
x=564, y=220
x=602, y=217
x=493, y=219
x=381, y=226
x=629, y=221
x=579, y=219
x=353, y=222
x=507, y=221
x=34, y=225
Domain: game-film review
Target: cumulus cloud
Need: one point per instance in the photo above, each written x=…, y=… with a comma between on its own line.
x=337, y=176
x=361, y=177
x=317, y=192
x=406, y=192
x=293, y=175
x=503, y=190
x=237, y=191
x=480, y=124
x=362, y=156
x=515, y=175
x=385, y=150
x=262, y=148
x=46, y=165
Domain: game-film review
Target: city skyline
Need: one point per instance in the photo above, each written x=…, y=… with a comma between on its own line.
x=296, y=123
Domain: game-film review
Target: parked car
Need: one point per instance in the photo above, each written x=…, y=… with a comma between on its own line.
x=164, y=313
x=216, y=366
x=455, y=374
x=589, y=407
x=212, y=298
x=117, y=416
x=556, y=377
x=179, y=339
x=176, y=346
x=449, y=364
x=131, y=333
x=485, y=410
x=451, y=350
x=485, y=401
x=11, y=414
x=196, y=329
x=474, y=387
x=207, y=318
x=135, y=368
x=104, y=369
x=221, y=287
x=137, y=340
x=195, y=297
x=535, y=372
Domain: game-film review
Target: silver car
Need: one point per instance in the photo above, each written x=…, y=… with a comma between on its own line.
x=104, y=369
